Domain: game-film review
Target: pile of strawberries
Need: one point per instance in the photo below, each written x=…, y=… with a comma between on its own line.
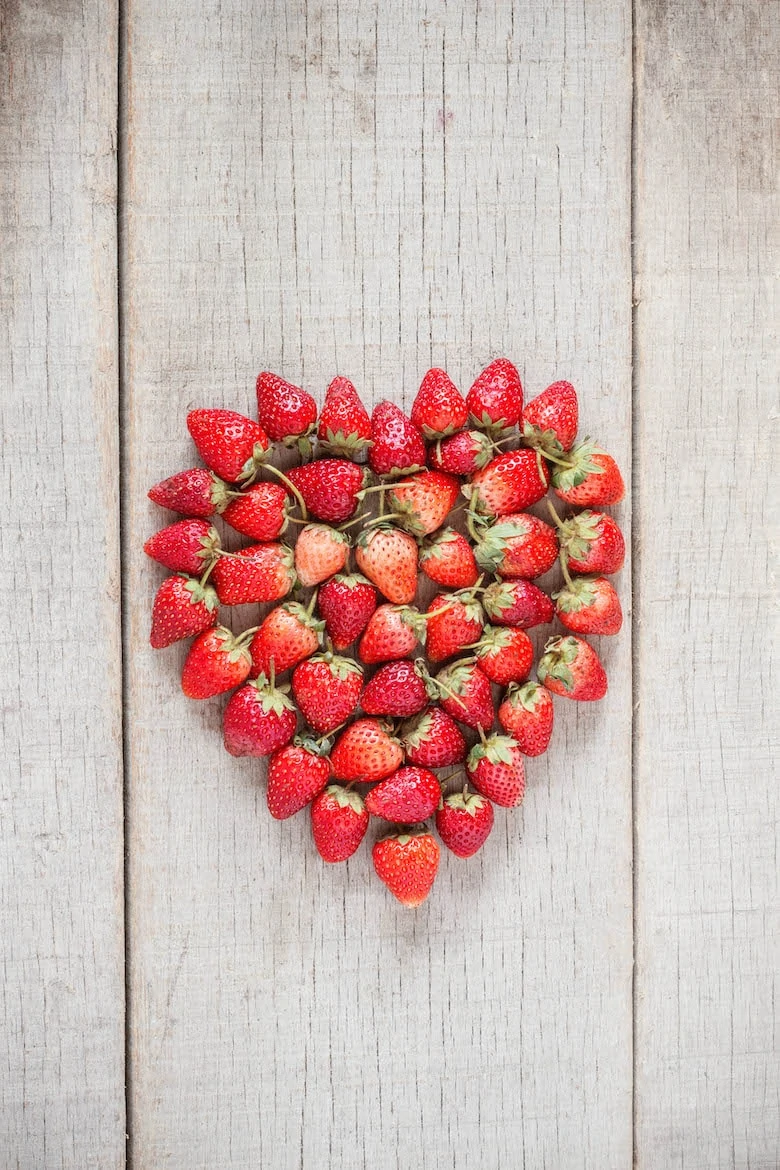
x=363, y=734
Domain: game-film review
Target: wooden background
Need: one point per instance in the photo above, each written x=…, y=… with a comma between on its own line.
x=192, y=191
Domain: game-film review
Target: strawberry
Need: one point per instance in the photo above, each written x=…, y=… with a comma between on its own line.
x=422, y=502
x=527, y=714
x=327, y=690
x=346, y=603
x=188, y=546
x=505, y=654
x=448, y=560
x=496, y=769
x=286, y=413
x=397, y=445
x=260, y=512
x=518, y=545
x=495, y=400
x=461, y=454
x=366, y=751
x=517, y=603
x=345, y=428
x=320, y=552
x=194, y=492
x=329, y=488
x=392, y=632
x=509, y=483
x=182, y=607
x=230, y=444
x=433, y=739
x=571, y=667
x=592, y=543
x=338, y=822
x=217, y=662
x=589, y=605
x=454, y=621
x=258, y=719
x=288, y=635
x=407, y=796
x=407, y=864
x=396, y=689
x=592, y=479
x=258, y=573
x=388, y=557
x=296, y=774
x=550, y=419
x=466, y=694
x=439, y=408
x=464, y=821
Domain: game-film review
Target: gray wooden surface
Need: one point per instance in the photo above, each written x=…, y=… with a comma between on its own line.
x=370, y=189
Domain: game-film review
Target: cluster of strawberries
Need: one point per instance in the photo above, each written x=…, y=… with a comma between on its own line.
x=394, y=726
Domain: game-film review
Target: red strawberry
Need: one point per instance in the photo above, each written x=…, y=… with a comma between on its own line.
x=454, y=621
x=550, y=419
x=496, y=769
x=194, y=492
x=466, y=694
x=592, y=543
x=518, y=545
x=495, y=399
x=366, y=751
x=407, y=864
x=346, y=603
x=230, y=444
x=258, y=719
x=505, y=654
x=592, y=480
x=570, y=667
x=259, y=573
x=433, y=739
x=184, y=547
x=396, y=689
x=182, y=607
x=527, y=714
x=464, y=821
x=320, y=552
x=393, y=632
x=217, y=662
x=388, y=557
x=589, y=605
x=510, y=483
x=448, y=560
x=398, y=446
x=345, y=428
x=329, y=487
x=286, y=413
x=461, y=454
x=439, y=408
x=288, y=635
x=407, y=796
x=517, y=603
x=296, y=774
x=327, y=690
x=338, y=821
x=422, y=502
x=260, y=512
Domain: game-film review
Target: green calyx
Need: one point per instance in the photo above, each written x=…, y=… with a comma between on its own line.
x=493, y=638
x=496, y=749
x=465, y=801
x=578, y=533
x=272, y=699
x=491, y=426
x=416, y=730
x=315, y=747
x=557, y=659
x=210, y=545
x=435, y=548
x=221, y=495
x=340, y=668
x=580, y=595
x=580, y=466
x=234, y=647
x=526, y=696
x=343, y=445
x=201, y=594
x=498, y=597
x=546, y=442
x=346, y=797
x=302, y=615
x=491, y=549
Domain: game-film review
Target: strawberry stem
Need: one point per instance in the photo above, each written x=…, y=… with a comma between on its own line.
x=290, y=487
x=556, y=518
x=246, y=636
x=352, y=523
x=563, y=558
x=217, y=554
x=312, y=603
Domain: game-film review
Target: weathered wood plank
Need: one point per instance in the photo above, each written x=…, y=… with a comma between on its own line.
x=369, y=189
x=708, y=1070
x=61, y=906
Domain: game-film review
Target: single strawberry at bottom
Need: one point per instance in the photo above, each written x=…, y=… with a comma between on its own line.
x=464, y=821
x=217, y=662
x=407, y=864
x=570, y=667
x=338, y=821
x=296, y=773
x=406, y=796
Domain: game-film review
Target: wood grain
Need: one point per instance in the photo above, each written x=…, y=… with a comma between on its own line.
x=371, y=189
x=708, y=1069
x=61, y=857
